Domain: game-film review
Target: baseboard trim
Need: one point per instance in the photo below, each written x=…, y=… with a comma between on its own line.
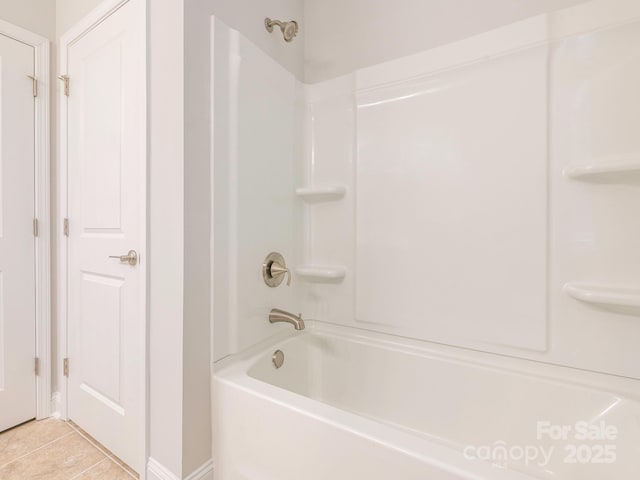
x=204, y=472
x=157, y=471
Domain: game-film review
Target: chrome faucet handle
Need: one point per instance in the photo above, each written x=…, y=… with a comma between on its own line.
x=277, y=270
x=274, y=269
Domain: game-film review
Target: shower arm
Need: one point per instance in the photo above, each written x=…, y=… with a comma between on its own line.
x=270, y=23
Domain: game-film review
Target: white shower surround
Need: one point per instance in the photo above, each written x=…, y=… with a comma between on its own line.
x=300, y=423
x=466, y=232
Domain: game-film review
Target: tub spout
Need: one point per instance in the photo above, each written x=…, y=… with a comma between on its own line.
x=276, y=315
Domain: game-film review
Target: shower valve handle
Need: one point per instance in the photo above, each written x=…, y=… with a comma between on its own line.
x=276, y=270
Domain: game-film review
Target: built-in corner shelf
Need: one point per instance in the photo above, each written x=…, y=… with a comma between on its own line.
x=605, y=296
x=611, y=171
x=322, y=273
x=327, y=193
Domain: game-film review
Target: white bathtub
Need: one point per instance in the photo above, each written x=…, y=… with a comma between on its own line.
x=351, y=405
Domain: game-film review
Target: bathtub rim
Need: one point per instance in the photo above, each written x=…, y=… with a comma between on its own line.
x=625, y=387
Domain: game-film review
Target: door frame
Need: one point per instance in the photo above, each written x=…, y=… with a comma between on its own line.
x=86, y=24
x=42, y=213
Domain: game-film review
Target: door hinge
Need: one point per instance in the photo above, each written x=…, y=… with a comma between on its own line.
x=65, y=80
x=37, y=367
x=35, y=85
x=65, y=227
x=65, y=367
x=35, y=227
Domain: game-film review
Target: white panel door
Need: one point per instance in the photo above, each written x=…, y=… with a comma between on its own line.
x=17, y=243
x=106, y=110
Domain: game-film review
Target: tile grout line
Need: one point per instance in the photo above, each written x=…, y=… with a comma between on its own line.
x=106, y=459
x=90, y=441
x=37, y=449
x=101, y=448
x=87, y=469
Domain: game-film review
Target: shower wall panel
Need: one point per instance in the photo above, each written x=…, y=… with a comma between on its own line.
x=451, y=238
x=491, y=192
x=255, y=128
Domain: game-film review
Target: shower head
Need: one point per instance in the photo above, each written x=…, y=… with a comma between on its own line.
x=289, y=29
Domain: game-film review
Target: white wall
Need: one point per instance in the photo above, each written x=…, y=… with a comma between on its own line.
x=342, y=36
x=166, y=233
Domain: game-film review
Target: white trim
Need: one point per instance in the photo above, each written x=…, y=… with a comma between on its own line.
x=528, y=33
x=157, y=471
x=43, y=240
x=500, y=41
x=41, y=47
x=204, y=472
x=86, y=24
x=61, y=213
x=22, y=35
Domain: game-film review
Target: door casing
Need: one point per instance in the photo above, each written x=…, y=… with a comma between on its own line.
x=95, y=17
x=42, y=212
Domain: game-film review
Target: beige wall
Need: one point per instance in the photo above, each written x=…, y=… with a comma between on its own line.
x=341, y=36
x=68, y=12
x=247, y=16
x=37, y=16
x=49, y=18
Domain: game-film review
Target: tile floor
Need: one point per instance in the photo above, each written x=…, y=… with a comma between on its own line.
x=54, y=450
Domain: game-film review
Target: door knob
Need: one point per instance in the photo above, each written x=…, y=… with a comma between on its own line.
x=131, y=258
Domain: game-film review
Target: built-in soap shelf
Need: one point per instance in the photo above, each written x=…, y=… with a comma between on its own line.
x=610, y=170
x=321, y=273
x=327, y=193
x=606, y=296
